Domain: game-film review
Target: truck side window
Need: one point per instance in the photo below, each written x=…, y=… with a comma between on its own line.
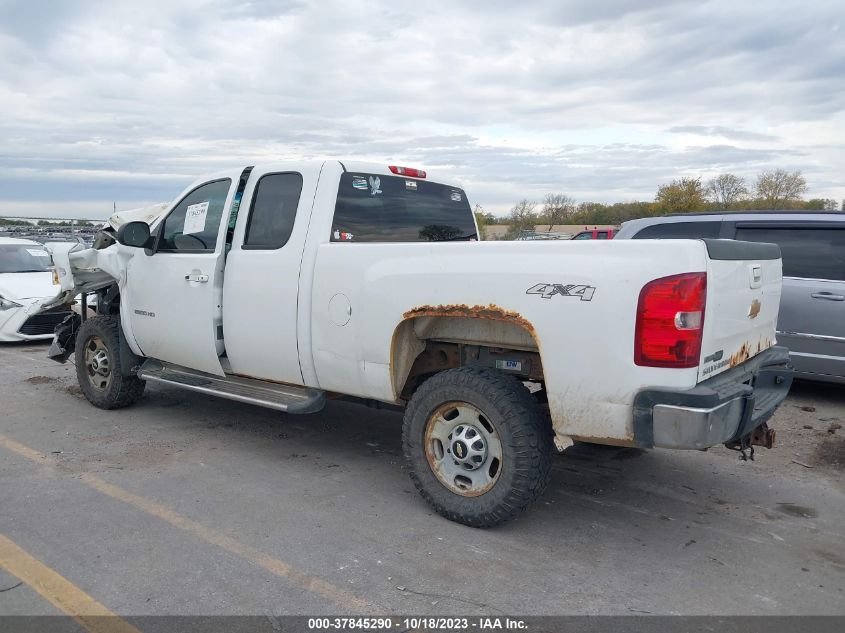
x=807, y=253
x=680, y=231
x=194, y=223
x=273, y=211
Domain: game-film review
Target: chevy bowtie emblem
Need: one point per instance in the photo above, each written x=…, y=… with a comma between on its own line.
x=754, y=310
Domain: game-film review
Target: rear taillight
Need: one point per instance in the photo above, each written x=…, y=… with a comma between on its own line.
x=407, y=171
x=670, y=321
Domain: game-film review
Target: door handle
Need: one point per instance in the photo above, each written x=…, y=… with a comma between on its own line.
x=198, y=278
x=828, y=295
x=756, y=274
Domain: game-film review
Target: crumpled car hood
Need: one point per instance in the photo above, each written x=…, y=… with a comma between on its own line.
x=143, y=214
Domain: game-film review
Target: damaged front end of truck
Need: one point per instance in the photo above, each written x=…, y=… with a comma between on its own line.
x=100, y=269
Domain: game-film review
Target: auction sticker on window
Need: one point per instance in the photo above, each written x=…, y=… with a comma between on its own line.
x=37, y=253
x=195, y=218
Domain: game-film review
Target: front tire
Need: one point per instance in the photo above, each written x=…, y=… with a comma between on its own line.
x=98, y=365
x=477, y=445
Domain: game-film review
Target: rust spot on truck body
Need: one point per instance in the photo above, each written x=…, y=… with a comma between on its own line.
x=745, y=352
x=491, y=312
x=741, y=356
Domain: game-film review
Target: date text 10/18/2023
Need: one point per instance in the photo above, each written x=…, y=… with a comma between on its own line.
x=429, y=623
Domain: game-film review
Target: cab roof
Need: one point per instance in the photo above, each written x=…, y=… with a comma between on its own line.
x=315, y=165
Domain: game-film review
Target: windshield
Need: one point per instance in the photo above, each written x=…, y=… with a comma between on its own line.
x=24, y=258
x=379, y=208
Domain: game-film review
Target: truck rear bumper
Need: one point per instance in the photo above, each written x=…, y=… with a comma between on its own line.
x=721, y=409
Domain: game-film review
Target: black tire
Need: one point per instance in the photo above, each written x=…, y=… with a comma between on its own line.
x=524, y=435
x=113, y=390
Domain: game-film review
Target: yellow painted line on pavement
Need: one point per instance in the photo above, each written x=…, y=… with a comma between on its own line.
x=62, y=593
x=256, y=557
x=274, y=565
x=23, y=451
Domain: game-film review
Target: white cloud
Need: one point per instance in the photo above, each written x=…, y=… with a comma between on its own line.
x=103, y=101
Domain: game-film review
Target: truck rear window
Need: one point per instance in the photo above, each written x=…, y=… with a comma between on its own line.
x=379, y=208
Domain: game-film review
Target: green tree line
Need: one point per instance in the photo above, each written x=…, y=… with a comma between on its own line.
x=776, y=189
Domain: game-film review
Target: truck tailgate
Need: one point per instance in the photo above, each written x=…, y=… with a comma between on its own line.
x=743, y=297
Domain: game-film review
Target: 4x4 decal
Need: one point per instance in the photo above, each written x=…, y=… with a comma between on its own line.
x=547, y=291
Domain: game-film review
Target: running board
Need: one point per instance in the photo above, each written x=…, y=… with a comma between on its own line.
x=279, y=396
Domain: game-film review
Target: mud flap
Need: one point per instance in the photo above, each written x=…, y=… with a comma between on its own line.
x=130, y=362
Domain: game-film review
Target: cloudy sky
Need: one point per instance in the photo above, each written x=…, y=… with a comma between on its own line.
x=104, y=102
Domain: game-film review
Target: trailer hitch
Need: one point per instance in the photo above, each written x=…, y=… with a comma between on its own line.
x=760, y=436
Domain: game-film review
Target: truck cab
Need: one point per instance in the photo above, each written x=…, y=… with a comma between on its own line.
x=256, y=229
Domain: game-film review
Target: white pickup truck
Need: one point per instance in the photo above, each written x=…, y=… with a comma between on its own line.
x=287, y=284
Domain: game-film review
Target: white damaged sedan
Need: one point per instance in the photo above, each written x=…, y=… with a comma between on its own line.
x=26, y=283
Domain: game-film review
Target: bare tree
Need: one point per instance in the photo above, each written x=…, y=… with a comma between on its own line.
x=558, y=208
x=726, y=190
x=779, y=187
x=521, y=217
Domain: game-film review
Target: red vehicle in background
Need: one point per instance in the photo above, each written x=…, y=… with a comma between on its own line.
x=595, y=234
